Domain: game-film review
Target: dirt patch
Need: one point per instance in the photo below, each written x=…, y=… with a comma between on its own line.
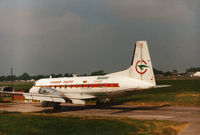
x=188, y=95
x=146, y=103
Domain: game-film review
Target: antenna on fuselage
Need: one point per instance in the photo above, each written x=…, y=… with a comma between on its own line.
x=74, y=75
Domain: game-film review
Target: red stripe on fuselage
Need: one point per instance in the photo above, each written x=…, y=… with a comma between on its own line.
x=82, y=85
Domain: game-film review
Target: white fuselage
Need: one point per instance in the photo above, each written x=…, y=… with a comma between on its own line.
x=92, y=87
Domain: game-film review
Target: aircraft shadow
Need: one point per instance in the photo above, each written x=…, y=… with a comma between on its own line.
x=118, y=109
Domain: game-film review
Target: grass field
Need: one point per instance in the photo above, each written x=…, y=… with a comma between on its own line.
x=182, y=92
x=19, y=86
x=49, y=124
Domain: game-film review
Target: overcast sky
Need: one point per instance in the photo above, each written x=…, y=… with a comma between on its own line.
x=81, y=36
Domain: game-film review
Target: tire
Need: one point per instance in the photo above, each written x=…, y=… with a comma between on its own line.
x=45, y=104
x=56, y=106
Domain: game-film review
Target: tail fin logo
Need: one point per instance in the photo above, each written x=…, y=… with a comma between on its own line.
x=141, y=67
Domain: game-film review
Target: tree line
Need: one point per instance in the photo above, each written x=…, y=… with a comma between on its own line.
x=26, y=76
x=175, y=72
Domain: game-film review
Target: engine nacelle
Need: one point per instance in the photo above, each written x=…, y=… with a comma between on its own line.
x=6, y=89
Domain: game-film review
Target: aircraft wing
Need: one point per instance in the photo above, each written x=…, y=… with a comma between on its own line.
x=13, y=93
x=41, y=97
x=62, y=98
x=48, y=97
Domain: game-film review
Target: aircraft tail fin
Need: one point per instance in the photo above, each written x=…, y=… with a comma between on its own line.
x=141, y=66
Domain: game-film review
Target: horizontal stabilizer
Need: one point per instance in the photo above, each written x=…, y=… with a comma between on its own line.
x=162, y=86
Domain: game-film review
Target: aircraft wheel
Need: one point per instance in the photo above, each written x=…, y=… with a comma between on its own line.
x=57, y=106
x=45, y=104
x=111, y=101
x=99, y=103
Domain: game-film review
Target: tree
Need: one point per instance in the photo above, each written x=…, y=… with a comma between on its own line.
x=67, y=75
x=24, y=76
x=168, y=73
x=83, y=74
x=59, y=75
x=175, y=72
x=193, y=69
x=39, y=77
x=98, y=72
x=2, y=78
x=157, y=71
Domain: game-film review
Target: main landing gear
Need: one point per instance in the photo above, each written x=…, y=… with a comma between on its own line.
x=55, y=105
x=106, y=101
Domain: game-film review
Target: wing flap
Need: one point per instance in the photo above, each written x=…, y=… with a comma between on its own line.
x=78, y=101
x=162, y=86
x=79, y=96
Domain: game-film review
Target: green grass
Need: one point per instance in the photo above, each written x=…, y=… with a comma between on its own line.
x=182, y=92
x=19, y=86
x=43, y=124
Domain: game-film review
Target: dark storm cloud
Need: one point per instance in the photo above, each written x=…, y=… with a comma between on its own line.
x=48, y=36
x=170, y=25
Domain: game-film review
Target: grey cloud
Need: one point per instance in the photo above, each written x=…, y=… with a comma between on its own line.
x=47, y=43
x=42, y=37
x=170, y=26
x=162, y=10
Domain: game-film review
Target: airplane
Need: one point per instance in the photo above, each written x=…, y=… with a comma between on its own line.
x=77, y=90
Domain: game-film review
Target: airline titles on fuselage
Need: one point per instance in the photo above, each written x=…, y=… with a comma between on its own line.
x=59, y=82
